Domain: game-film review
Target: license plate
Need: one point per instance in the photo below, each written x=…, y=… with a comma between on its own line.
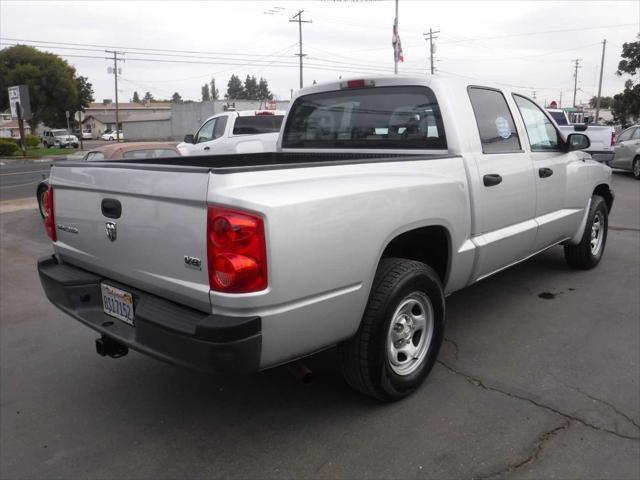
x=117, y=303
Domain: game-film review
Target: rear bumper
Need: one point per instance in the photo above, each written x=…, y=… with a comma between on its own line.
x=163, y=329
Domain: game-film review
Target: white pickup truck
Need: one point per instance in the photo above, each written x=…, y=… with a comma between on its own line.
x=602, y=137
x=385, y=196
x=250, y=131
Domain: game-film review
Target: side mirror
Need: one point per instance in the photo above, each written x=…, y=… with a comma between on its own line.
x=577, y=141
x=580, y=127
x=189, y=138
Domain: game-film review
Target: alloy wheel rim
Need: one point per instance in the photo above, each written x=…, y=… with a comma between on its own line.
x=410, y=333
x=597, y=233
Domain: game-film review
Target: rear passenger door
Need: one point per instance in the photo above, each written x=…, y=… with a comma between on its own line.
x=550, y=163
x=504, y=196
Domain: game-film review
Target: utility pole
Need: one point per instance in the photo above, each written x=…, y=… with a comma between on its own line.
x=115, y=77
x=431, y=37
x=300, y=22
x=604, y=46
x=575, y=79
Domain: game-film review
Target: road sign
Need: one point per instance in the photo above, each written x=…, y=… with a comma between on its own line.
x=19, y=94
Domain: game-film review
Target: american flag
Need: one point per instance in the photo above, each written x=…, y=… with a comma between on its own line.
x=395, y=41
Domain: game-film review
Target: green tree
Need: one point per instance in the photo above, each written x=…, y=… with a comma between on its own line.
x=235, y=89
x=136, y=98
x=215, y=93
x=176, y=98
x=250, y=88
x=53, y=85
x=263, y=90
x=206, y=95
x=626, y=105
x=605, y=102
x=148, y=98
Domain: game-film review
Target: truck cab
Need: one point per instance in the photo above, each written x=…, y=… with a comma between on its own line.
x=250, y=131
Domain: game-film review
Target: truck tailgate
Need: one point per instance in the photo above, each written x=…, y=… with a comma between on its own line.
x=163, y=219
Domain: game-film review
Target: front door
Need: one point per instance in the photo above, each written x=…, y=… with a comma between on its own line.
x=625, y=148
x=550, y=162
x=207, y=138
x=505, y=192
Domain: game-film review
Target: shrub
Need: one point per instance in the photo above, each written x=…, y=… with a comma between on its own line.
x=32, y=141
x=8, y=147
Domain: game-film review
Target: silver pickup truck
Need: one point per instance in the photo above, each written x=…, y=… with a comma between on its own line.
x=385, y=196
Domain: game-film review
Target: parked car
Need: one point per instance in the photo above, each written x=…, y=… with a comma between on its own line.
x=111, y=136
x=602, y=137
x=86, y=134
x=118, y=151
x=627, y=151
x=59, y=138
x=248, y=131
x=384, y=196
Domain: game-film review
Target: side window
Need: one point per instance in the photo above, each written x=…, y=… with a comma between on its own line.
x=541, y=132
x=218, y=131
x=626, y=135
x=206, y=131
x=498, y=133
x=636, y=134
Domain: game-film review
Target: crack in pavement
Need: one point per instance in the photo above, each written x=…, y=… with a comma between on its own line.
x=478, y=383
x=610, y=405
x=542, y=439
x=455, y=346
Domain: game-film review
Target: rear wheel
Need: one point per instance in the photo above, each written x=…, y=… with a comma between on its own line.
x=40, y=196
x=401, y=332
x=588, y=252
x=636, y=168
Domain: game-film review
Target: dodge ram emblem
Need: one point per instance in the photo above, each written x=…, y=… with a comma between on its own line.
x=112, y=230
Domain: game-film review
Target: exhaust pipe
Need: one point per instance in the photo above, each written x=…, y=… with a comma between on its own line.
x=106, y=346
x=300, y=371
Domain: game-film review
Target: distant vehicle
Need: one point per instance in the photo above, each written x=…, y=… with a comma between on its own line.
x=86, y=135
x=111, y=136
x=59, y=138
x=251, y=131
x=602, y=137
x=627, y=151
x=119, y=151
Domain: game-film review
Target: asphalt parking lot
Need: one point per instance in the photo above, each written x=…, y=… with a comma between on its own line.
x=539, y=378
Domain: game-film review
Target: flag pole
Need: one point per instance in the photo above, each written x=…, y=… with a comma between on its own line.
x=395, y=56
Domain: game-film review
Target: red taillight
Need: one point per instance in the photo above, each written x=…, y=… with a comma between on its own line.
x=613, y=138
x=49, y=219
x=264, y=113
x=236, y=251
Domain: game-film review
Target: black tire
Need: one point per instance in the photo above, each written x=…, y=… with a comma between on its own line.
x=582, y=255
x=365, y=363
x=635, y=168
x=39, y=195
x=47, y=145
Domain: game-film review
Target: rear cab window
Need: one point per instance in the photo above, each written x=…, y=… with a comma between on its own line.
x=497, y=131
x=559, y=117
x=403, y=117
x=264, y=123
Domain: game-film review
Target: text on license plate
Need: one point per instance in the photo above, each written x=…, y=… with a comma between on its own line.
x=117, y=303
